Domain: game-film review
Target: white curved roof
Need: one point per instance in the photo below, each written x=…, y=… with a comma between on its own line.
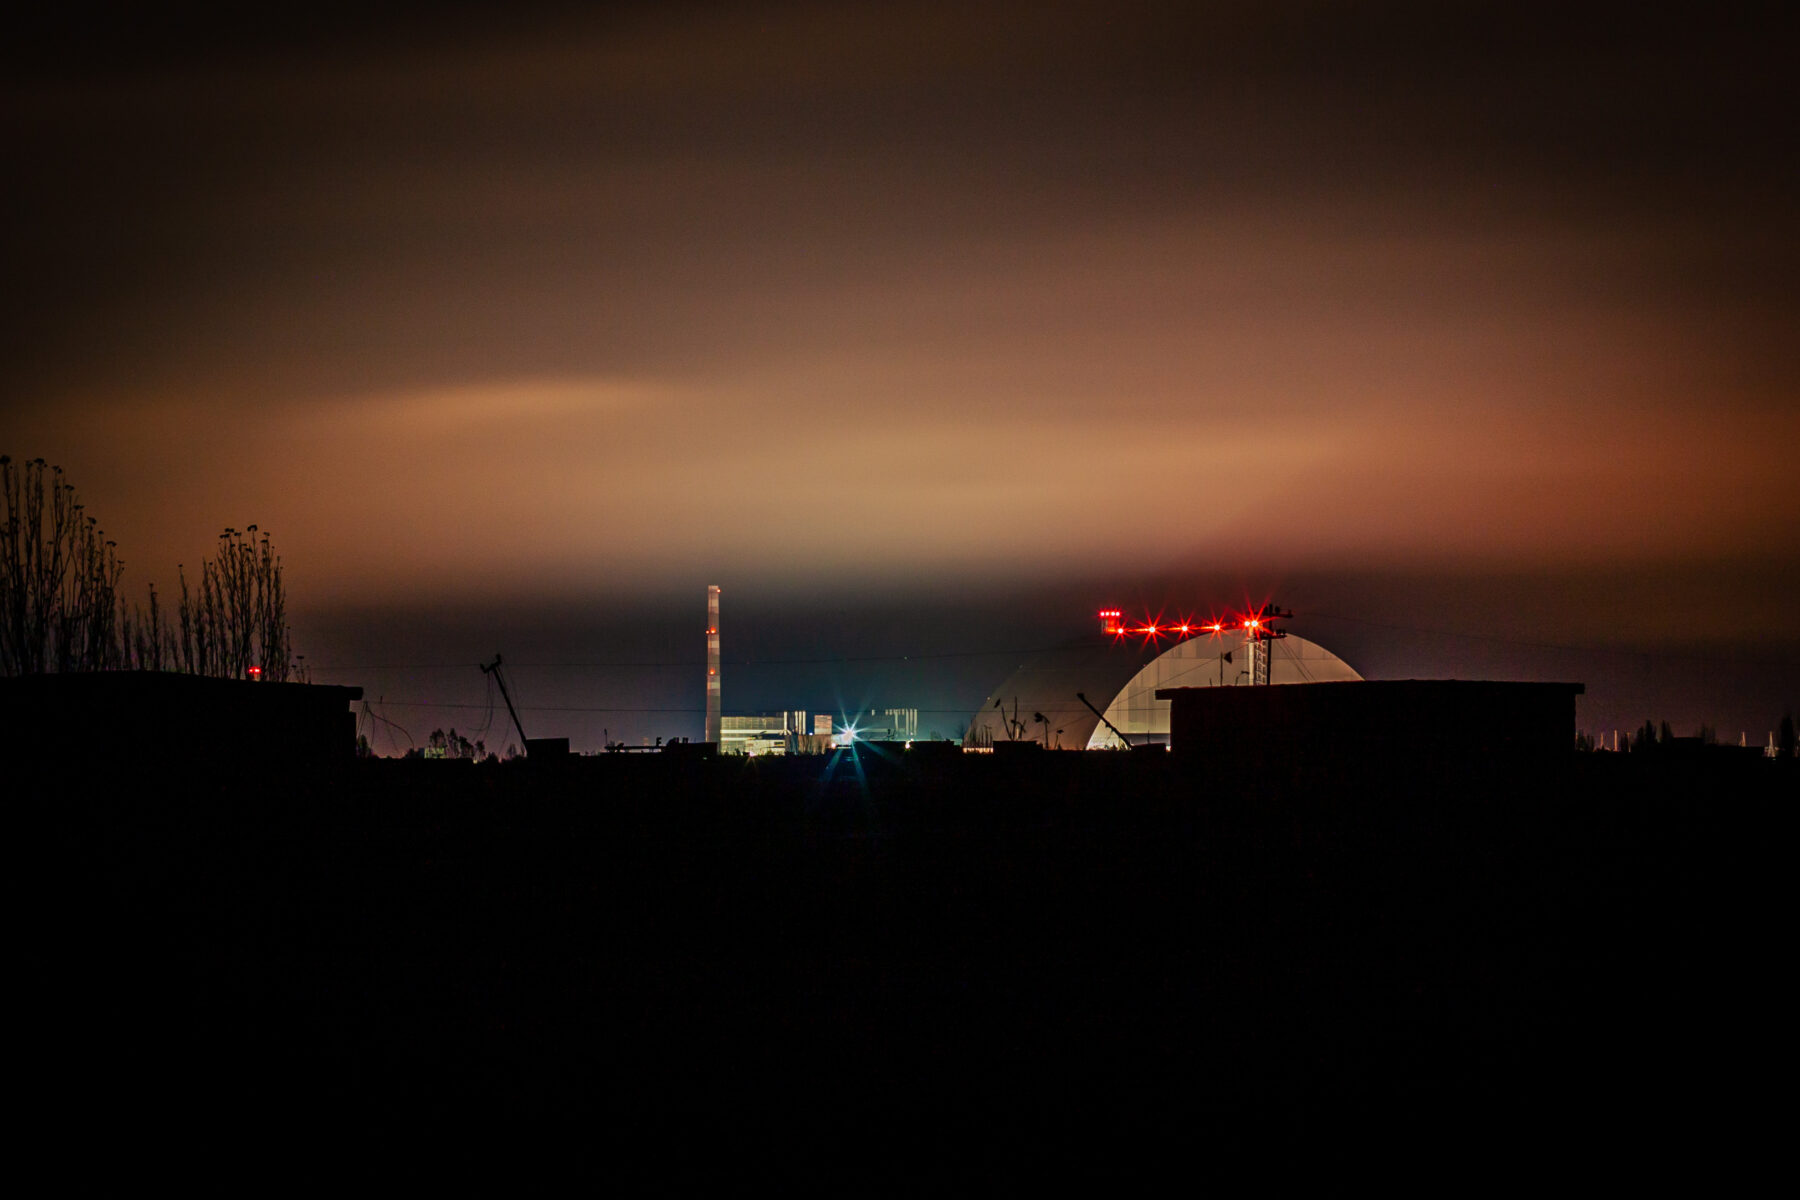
x=1204, y=662
x=1121, y=678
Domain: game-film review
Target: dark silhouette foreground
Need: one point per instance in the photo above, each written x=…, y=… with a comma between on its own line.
x=879, y=962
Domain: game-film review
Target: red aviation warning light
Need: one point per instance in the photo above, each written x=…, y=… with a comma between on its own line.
x=1114, y=624
x=1257, y=625
x=1261, y=623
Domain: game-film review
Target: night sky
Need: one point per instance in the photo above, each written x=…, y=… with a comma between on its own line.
x=1468, y=332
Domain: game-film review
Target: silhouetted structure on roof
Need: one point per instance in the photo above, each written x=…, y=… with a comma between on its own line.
x=1312, y=728
x=129, y=720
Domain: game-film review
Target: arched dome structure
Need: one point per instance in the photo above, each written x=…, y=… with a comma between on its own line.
x=1038, y=702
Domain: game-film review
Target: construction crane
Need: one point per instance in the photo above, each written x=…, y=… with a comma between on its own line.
x=1258, y=627
x=1082, y=696
x=494, y=670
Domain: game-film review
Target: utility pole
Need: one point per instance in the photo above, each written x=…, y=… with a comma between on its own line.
x=494, y=670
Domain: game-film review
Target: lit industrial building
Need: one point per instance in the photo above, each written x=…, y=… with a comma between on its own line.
x=774, y=733
x=792, y=733
x=788, y=732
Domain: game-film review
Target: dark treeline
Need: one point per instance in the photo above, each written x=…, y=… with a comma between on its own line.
x=1651, y=738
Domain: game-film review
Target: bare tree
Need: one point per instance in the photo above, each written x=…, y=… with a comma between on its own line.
x=60, y=608
x=59, y=577
x=145, y=636
x=237, y=621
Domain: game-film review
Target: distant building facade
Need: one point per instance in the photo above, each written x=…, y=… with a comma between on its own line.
x=775, y=733
x=764, y=733
x=791, y=732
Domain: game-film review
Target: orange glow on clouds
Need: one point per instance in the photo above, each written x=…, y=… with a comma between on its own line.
x=573, y=311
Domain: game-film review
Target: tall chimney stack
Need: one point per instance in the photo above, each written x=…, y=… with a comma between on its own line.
x=712, y=665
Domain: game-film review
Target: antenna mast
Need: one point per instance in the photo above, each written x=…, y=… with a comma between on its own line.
x=1263, y=636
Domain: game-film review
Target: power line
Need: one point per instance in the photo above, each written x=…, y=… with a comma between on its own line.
x=579, y=708
x=693, y=664
x=389, y=725
x=1682, y=655
x=938, y=655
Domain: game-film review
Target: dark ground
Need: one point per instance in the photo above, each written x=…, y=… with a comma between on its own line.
x=1064, y=966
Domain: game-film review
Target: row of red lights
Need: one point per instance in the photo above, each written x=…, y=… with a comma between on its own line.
x=1111, y=622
